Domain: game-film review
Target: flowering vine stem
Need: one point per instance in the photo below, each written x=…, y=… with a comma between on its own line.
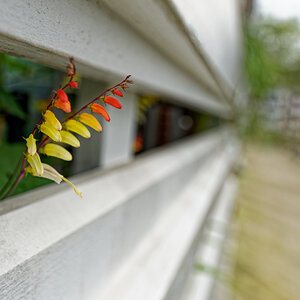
x=14, y=178
x=21, y=172
x=11, y=177
x=55, y=95
x=97, y=98
x=43, y=142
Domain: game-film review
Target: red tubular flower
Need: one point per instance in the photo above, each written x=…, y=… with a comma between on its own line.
x=65, y=106
x=73, y=84
x=117, y=92
x=63, y=97
x=113, y=102
x=98, y=109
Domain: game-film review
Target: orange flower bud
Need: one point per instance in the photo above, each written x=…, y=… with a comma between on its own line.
x=73, y=84
x=65, y=106
x=70, y=73
x=124, y=86
x=113, y=102
x=117, y=92
x=98, y=109
x=62, y=96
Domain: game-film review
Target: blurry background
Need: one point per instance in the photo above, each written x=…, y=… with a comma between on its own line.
x=261, y=257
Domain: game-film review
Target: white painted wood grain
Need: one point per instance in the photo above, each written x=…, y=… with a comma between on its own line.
x=64, y=247
x=154, y=21
x=159, y=267
x=214, y=27
x=217, y=24
x=200, y=285
x=103, y=46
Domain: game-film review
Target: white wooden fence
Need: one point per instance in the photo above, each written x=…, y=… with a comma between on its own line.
x=135, y=234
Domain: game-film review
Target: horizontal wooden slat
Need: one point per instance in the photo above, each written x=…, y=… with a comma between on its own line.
x=155, y=21
x=201, y=283
x=102, y=44
x=158, y=269
x=187, y=33
x=85, y=240
x=217, y=26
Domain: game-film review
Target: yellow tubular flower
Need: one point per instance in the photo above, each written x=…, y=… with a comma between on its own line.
x=57, y=151
x=49, y=130
x=75, y=188
x=91, y=121
x=77, y=127
x=49, y=173
x=35, y=163
x=49, y=117
x=31, y=145
x=52, y=174
x=70, y=139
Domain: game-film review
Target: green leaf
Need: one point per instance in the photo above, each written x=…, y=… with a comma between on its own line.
x=10, y=105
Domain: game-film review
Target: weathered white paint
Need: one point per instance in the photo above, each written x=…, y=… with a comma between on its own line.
x=214, y=28
x=159, y=267
x=155, y=21
x=200, y=284
x=63, y=247
x=217, y=25
x=104, y=47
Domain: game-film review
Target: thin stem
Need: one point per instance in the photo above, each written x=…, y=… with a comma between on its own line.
x=17, y=180
x=42, y=143
x=21, y=175
x=22, y=172
x=97, y=98
x=45, y=140
x=55, y=95
x=11, y=178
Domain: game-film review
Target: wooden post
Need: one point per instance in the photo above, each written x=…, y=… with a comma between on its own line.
x=118, y=134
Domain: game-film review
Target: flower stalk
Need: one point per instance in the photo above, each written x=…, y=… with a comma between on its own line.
x=56, y=132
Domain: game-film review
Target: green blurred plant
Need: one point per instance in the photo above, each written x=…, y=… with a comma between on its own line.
x=272, y=61
x=272, y=56
x=8, y=103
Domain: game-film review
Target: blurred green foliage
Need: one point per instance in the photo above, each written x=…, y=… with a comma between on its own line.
x=17, y=74
x=8, y=103
x=16, y=68
x=272, y=56
x=272, y=62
